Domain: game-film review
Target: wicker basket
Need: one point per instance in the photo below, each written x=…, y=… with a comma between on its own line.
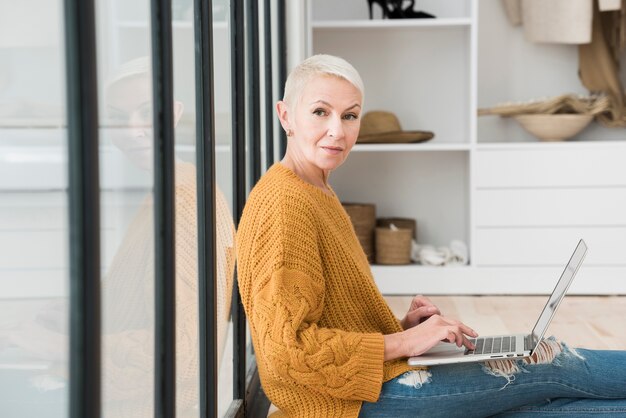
x=363, y=217
x=402, y=223
x=393, y=246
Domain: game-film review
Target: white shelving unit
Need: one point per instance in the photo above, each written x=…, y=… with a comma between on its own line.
x=519, y=204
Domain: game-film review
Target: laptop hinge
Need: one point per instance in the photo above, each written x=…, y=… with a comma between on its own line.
x=529, y=342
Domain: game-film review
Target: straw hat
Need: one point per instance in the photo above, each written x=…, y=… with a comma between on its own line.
x=384, y=127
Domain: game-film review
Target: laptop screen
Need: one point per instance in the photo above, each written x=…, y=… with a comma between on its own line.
x=559, y=291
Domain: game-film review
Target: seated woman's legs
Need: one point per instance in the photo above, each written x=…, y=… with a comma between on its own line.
x=477, y=390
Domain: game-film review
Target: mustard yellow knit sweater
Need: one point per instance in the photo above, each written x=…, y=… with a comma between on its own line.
x=316, y=316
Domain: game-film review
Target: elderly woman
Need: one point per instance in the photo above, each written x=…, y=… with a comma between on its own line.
x=326, y=343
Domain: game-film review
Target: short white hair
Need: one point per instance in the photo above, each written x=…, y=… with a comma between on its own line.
x=319, y=65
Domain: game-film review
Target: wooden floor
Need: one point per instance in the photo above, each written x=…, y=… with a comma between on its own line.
x=597, y=322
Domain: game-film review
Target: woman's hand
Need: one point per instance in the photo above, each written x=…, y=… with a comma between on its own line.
x=420, y=310
x=421, y=338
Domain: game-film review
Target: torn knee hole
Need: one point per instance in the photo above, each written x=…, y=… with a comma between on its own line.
x=545, y=353
x=415, y=378
x=502, y=367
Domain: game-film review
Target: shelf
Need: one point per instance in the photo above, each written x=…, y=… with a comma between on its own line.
x=454, y=189
x=392, y=24
x=410, y=147
x=496, y=146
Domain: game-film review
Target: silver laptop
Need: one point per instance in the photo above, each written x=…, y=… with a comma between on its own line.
x=507, y=346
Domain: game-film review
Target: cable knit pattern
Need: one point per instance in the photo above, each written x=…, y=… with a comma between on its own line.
x=316, y=316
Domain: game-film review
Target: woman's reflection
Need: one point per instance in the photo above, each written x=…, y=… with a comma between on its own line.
x=128, y=285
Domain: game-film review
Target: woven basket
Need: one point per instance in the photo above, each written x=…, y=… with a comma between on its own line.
x=393, y=247
x=363, y=217
x=402, y=223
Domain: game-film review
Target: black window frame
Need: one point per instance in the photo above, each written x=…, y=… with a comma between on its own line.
x=84, y=194
x=84, y=209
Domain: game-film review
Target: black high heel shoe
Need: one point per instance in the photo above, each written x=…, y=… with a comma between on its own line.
x=383, y=6
x=397, y=12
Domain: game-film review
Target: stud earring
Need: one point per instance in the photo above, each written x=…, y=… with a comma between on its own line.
x=289, y=132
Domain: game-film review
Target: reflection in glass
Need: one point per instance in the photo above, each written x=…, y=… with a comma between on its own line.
x=126, y=153
x=128, y=285
x=33, y=209
x=34, y=273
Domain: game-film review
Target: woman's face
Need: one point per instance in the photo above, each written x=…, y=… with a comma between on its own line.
x=129, y=111
x=129, y=108
x=325, y=122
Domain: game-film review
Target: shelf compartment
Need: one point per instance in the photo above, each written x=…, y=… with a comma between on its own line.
x=426, y=89
x=430, y=187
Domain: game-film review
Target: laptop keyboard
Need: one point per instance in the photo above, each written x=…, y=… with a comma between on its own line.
x=492, y=345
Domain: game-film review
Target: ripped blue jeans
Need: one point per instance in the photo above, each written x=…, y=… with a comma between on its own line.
x=562, y=383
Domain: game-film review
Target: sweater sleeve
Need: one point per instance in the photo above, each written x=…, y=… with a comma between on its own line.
x=284, y=289
x=345, y=365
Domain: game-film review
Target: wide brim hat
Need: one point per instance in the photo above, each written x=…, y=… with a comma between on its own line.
x=384, y=127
